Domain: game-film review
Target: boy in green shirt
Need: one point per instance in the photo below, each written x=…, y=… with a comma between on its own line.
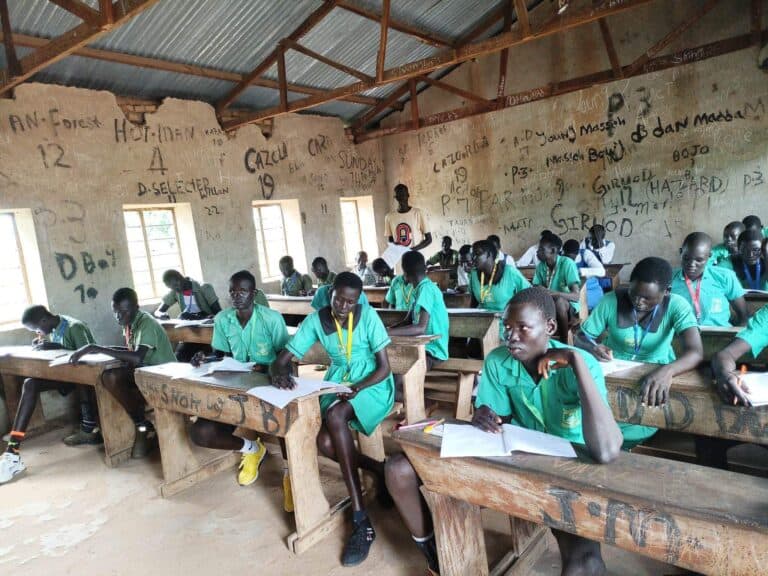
x=384, y=274
x=54, y=332
x=294, y=284
x=146, y=344
x=538, y=383
x=400, y=294
x=322, y=297
x=320, y=269
x=560, y=275
x=710, y=290
x=730, y=245
x=492, y=282
x=446, y=257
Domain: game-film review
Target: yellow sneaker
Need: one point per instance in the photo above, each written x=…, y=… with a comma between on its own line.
x=250, y=464
x=287, y=493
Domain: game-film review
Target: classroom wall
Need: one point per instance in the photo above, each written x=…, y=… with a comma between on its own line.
x=73, y=158
x=653, y=157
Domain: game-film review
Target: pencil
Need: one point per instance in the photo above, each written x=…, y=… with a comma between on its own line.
x=738, y=381
x=428, y=429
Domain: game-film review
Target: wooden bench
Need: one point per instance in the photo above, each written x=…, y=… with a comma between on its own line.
x=457, y=300
x=611, y=271
x=117, y=428
x=694, y=406
x=375, y=294
x=755, y=301
x=442, y=277
x=460, y=392
x=291, y=305
x=707, y=520
x=200, y=334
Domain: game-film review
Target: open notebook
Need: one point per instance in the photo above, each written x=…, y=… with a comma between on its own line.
x=617, y=365
x=304, y=387
x=461, y=440
x=97, y=358
x=757, y=382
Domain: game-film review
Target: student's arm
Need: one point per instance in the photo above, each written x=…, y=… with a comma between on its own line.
x=587, y=337
x=382, y=371
x=593, y=266
x=43, y=344
x=601, y=433
x=160, y=311
x=740, y=311
x=725, y=372
x=654, y=387
x=132, y=357
x=200, y=357
x=424, y=243
x=492, y=405
x=606, y=252
x=281, y=370
x=572, y=295
x=408, y=328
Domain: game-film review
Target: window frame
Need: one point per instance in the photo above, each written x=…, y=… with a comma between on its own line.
x=351, y=259
x=23, y=266
x=269, y=277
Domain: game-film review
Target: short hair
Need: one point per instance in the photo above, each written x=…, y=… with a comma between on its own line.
x=465, y=249
x=495, y=239
x=379, y=264
x=539, y=297
x=695, y=238
x=401, y=188
x=122, y=294
x=486, y=246
x=362, y=252
x=348, y=280
x=544, y=233
x=286, y=259
x=553, y=239
x=413, y=261
x=34, y=314
x=595, y=228
x=320, y=261
x=734, y=224
x=652, y=270
x=752, y=221
x=750, y=235
x=168, y=274
x=448, y=238
x=243, y=275
x=571, y=246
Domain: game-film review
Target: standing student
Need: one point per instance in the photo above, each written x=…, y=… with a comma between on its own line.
x=356, y=342
x=247, y=332
x=640, y=323
x=54, y=332
x=597, y=243
x=506, y=258
x=710, y=290
x=542, y=385
x=294, y=284
x=363, y=271
x=407, y=226
x=529, y=257
x=320, y=269
x=590, y=269
x=748, y=264
x=146, y=344
x=465, y=267
x=446, y=257
x=560, y=276
x=384, y=274
x=730, y=245
x=491, y=282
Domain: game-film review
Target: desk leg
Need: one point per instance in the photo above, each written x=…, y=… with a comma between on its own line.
x=314, y=517
x=491, y=339
x=413, y=388
x=12, y=385
x=459, y=535
x=116, y=426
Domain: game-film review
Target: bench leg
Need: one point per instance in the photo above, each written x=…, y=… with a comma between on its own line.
x=413, y=391
x=458, y=534
x=373, y=447
x=116, y=426
x=464, y=396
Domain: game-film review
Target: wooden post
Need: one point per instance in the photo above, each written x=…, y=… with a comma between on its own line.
x=414, y=104
x=281, y=77
x=610, y=48
x=382, y=54
x=14, y=68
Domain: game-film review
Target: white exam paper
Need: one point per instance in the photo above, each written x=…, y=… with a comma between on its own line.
x=394, y=253
x=617, y=365
x=466, y=441
x=228, y=364
x=304, y=387
x=86, y=359
x=757, y=382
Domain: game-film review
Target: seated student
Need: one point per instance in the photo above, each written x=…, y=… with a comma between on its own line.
x=589, y=267
x=320, y=269
x=560, y=276
x=54, y=332
x=640, y=323
x=507, y=258
x=730, y=245
x=249, y=333
x=491, y=282
x=446, y=257
x=710, y=290
x=400, y=295
x=515, y=377
x=146, y=344
x=529, y=257
x=384, y=274
x=356, y=342
x=465, y=267
x=753, y=222
x=322, y=297
x=363, y=271
x=294, y=284
x=596, y=243
x=748, y=265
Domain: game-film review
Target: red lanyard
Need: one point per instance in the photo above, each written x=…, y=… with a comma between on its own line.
x=128, y=337
x=695, y=296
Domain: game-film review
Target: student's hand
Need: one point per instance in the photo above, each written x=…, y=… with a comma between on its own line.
x=186, y=316
x=487, y=420
x=198, y=359
x=46, y=345
x=654, y=387
x=732, y=391
x=260, y=368
x=562, y=357
x=602, y=353
x=283, y=381
x=77, y=354
x=347, y=396
x=302, y=292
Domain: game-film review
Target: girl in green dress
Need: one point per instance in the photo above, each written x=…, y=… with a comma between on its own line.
x=492, y=283
x=560, y=276
x=356, y=341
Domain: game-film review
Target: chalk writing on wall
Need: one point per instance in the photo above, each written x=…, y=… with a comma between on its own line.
x=84, y=264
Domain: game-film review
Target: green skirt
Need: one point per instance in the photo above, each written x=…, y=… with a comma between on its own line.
x=371, y=405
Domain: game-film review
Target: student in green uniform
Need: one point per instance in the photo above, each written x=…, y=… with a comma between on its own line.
x=538, y=383
x=560, y=275
x=709, y=289
x=427, y=314
x=294, y=283
x=400, y=294
x=356, y=342
x=384, y=274
x=464, y=269
x=752, y=222
x=640, y=323
x=322, y=297
x=730, y=245
x=54, y=332
x=491, y=282
x=320, y=269
x=748, y=264
x=446, y=257
x=249, y=333
x=146, y=344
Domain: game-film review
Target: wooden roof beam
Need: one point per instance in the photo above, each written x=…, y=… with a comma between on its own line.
x=610, y=48
x=467, y=95
x=504, y=56
x=81, y=10
x=325, y=60
x=521, y=10
x=381, y=56
x=107, y=11
x=756, y=22
x=14, y=67
x=389, y=101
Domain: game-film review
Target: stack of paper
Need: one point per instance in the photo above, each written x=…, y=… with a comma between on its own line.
x=757, y=383
x=86, y=359
x=304, y=387
x=393, y=253
x=617, y=365
x=228, y=364
x=462, y=440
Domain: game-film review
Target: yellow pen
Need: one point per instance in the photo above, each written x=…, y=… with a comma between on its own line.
x=428, y=429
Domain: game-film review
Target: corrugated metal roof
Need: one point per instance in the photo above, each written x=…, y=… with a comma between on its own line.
x=236, y=35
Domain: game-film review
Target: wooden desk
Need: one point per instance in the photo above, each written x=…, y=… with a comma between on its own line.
x=375, y=294
x=223, y=398
x=201, y=334
x=481, y=324
x=116, y=426
x=295, y=305
x=715, y=338
x=442, y=277
x=611, y=271
x=755, y=302
x=707, y=520
x=694, y=407
x=457, y=300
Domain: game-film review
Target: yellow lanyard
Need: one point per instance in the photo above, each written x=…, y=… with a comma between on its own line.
x=485, y=291
x=348, y=345
x=407, y=297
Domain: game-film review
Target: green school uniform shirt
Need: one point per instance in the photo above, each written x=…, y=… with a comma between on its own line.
x=553, y=405
x=71, y=333
x=328, y=281
x=146, y=331
x=756, y=332
x=296, y=283
x=369, y=336
x=261, y=299
x=429, y=297
x=718, y=287
x=565, y=273
x=400, y=294
x=322, y=297
x=719, y=253
x=512, y=282
x=259, y=341
x=204, y=295
x=738, y=268
x=450, y=260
